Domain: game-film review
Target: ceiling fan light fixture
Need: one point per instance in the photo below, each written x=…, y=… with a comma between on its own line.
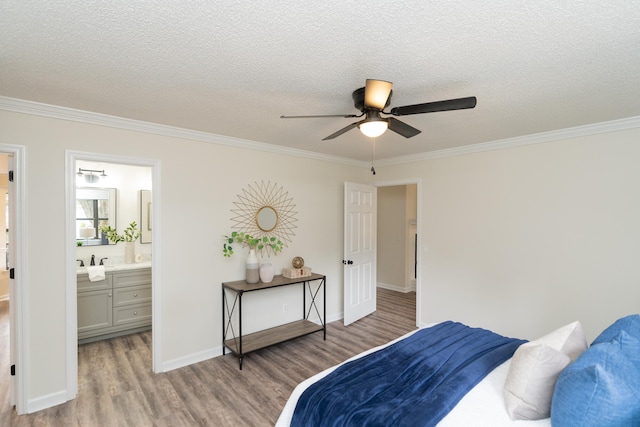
x=373, y=128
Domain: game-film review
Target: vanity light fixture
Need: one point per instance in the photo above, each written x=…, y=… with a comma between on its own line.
x=90, y=177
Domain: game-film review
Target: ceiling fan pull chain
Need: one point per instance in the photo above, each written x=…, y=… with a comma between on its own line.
x=373, y=156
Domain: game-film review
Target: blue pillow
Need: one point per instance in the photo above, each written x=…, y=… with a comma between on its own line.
x=630, y=324
x=601, y=387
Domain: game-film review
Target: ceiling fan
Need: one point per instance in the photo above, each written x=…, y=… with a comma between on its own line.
x=372, y=99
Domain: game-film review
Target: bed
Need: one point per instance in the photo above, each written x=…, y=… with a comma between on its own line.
x=519, y=387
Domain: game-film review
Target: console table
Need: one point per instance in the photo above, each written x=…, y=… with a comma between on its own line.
x=242, y=344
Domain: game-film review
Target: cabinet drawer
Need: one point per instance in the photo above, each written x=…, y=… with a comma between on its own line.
x=139, y=313
x=131, y=278
x=131, y=295
x=84, y=284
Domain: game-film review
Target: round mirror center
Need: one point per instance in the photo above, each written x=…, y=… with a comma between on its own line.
x=267, y=218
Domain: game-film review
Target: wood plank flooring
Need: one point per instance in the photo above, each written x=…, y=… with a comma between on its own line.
x=117, y=387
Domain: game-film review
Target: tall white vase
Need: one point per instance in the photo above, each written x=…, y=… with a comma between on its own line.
x=253, y=269
x=129, y=252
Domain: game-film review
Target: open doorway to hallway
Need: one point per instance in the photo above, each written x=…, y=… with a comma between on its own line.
x=397, y=238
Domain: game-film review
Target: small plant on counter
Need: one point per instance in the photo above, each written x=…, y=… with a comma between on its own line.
x=131, y=233
x=245, y=239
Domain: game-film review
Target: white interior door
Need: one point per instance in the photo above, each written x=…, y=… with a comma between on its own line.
x=360, y=217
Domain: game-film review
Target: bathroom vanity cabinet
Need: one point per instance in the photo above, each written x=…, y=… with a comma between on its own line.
x=118, y=305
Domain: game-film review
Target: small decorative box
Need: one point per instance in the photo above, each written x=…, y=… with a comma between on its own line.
x=294, y=273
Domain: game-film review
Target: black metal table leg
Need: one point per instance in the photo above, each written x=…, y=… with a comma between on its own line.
x=223, y=322
x=240, y=354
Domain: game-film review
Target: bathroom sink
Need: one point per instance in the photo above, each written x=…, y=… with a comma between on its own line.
x=118, y=267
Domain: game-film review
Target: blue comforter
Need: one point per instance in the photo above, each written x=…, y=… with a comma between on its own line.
x=413, y=382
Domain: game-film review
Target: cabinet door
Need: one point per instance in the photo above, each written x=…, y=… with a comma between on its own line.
x=94, y=311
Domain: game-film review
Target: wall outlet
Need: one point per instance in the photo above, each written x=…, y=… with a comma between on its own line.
x=284, y=308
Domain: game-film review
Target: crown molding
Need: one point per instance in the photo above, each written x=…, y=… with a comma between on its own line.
x=536, y=138
x=88, y=117
x=64, y=113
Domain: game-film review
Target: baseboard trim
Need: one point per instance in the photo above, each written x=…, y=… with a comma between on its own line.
x=191, y=359
x=47, y=401
x=394, y=287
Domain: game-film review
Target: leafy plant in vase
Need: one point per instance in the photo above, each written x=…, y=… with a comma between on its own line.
x=130, y=235
x=254, y=272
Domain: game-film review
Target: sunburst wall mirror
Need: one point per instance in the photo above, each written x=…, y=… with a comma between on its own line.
x=265, y=210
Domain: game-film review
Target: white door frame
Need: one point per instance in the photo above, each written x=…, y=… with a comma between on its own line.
x=18, y=287
x=418, y=183
x=71, y=276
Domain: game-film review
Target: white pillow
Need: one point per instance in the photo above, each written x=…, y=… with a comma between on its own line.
x=568, y=339
x=534, y=369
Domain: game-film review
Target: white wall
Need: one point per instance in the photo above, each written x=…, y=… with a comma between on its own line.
x=397, y=210
x=4, y=274
x=392, y=234
x=524, y=240
x=411, y=231
x=199, y=183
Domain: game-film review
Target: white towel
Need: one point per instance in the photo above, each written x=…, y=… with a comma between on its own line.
x=96, y=273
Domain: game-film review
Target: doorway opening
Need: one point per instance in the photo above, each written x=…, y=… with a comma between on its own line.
x=12, y=278
x=397, y=236
x=126, y=192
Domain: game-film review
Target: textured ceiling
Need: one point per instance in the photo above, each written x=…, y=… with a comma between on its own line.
x=233, y=67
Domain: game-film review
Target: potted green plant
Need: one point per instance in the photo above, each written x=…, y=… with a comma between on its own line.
x=130, y=235
x=254, y=272
x=246, y=240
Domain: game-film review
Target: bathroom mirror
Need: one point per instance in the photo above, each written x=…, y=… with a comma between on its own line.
x=267, y=218
x=95, y=207
x=145, y=216
x=265, y=210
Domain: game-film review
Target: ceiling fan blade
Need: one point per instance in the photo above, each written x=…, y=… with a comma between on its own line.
x=432, y=107
x=341, y=131
x=346, y=116
x=402, y=128
x=376, y=93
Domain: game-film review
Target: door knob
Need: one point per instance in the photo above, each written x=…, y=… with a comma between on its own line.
x=345, y=262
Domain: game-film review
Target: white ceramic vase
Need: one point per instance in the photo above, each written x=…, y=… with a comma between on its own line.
x=129, y=252
x=266, y=272
x=253, y=270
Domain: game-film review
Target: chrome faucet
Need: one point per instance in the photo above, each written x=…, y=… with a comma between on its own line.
x=93, y=260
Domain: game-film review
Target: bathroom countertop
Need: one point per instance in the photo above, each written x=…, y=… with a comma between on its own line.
x=118, y=267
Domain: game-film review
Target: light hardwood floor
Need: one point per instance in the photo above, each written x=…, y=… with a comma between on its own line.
x=117, y=387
